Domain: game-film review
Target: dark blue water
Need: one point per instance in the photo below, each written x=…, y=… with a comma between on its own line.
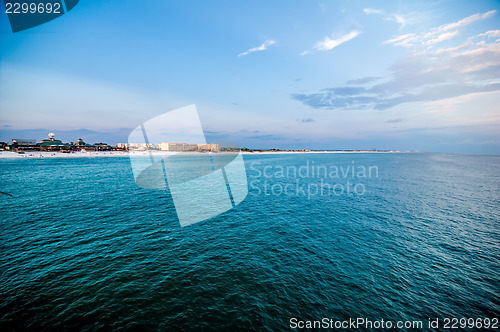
x=82, y=247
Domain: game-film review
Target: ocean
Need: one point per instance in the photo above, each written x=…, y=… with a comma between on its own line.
x=392, y=236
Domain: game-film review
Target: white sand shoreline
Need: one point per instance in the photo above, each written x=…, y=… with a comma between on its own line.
x=94, y=154
x=38, y=154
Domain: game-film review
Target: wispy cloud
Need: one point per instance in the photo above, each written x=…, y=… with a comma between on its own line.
x=439, y=34
x=469, y=68
x=491, y=34
x=369, y=11
x=466, y=21
x=262, y=47
x=330, y=43
x=400, y=19
x=306, y=120
x=267, y=137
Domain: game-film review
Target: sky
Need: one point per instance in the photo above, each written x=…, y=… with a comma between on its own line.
x=396, y=75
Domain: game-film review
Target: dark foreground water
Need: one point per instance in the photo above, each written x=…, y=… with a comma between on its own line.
x=82, y=247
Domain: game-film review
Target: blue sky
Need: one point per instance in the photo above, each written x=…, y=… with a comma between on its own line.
x=410, y=75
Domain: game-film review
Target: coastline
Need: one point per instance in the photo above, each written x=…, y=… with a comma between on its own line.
x=95, y=154
x=39, y=155
x=321, y=151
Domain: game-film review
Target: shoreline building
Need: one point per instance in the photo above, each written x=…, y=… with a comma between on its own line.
x=52, y=144
x=23, y=144
x=82, y=146
x=215, y=147
x=136, y=146
x=189, y=147
x=170, y=146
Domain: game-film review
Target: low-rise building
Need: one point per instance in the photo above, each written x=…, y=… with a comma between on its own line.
x=23, y=144
x=102, y=147
x=52, y=144
x=139, y=146
x=189, y=147
x=214, y=147
x=181, y=147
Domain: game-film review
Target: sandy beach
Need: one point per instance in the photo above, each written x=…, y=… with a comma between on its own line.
x=95, y=154
x=38, y=154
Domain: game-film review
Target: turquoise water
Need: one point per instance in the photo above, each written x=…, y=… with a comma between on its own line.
x=82, y=247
